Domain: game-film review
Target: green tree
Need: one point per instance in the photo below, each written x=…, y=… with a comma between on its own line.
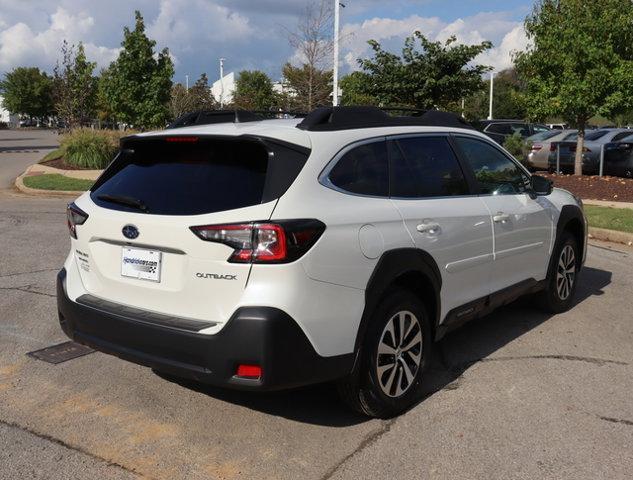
x=27, y=91
x=201, y=96
x=254, y=91
x=354, y=87
x=433, y=75
x=139, y=81
x=579, y=63
x=508, y=98
x=75, y=86
x=309, y=87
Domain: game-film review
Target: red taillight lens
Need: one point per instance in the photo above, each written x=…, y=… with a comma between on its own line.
x=249, y=371
x=279, y=242
x=552, y=147
x=75, y=216
x=536, y=147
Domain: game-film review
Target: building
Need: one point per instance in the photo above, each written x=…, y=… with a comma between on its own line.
x=6, y=117
x=223, y=89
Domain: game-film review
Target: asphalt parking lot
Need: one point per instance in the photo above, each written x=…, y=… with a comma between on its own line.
x=519, y=394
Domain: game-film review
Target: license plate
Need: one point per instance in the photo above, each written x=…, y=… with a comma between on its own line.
x=140, y=263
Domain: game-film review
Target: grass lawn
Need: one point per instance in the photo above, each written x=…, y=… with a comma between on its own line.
x=612, y=218
x=53, y=155
x=54, y=181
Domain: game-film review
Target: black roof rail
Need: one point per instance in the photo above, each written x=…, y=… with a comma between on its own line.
x=209, y=117
x=326, y=119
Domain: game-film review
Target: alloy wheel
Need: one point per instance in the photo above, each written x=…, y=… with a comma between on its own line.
x=566, y=272
x=399, y=353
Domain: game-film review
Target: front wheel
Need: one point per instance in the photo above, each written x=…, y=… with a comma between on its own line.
x=558, y=295
x=394, y=356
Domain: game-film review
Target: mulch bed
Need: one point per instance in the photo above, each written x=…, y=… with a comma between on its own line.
x=614, y=189
x=61, y=164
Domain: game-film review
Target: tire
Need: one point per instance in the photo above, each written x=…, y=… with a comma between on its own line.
x=395, y=388
x=558, y=295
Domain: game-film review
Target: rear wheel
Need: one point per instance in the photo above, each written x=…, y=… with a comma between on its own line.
x=394, y=357
x=558, y=295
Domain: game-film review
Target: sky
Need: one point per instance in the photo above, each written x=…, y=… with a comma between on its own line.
x=249, y=34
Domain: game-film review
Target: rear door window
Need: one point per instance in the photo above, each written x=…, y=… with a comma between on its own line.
x=363, y=170
x=425, y=167
x=502, y=128
x=192, y=176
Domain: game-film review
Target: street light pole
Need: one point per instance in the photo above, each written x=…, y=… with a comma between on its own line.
x=222, y=83
x=492, y=88
x=187, y=81
x=335, y=75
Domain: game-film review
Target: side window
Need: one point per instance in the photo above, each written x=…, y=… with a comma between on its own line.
x=496, y=174
x=540, y=128
x=425, y=167
x=363, y=170
x=503, y=128
x=521, y=128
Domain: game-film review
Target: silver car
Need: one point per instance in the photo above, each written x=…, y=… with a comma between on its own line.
x=543, y=144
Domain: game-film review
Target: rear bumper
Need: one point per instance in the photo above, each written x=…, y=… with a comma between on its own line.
x=263, y=336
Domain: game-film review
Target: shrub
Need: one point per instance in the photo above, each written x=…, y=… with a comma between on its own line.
x=92, y=149
x=518, y=147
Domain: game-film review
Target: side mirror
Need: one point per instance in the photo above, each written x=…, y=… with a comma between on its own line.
x=541, y=185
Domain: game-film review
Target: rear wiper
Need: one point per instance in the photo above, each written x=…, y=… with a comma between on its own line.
x=124, y=200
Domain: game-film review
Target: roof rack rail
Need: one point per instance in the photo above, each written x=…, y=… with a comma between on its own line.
x=326, y=119
x=209, y=117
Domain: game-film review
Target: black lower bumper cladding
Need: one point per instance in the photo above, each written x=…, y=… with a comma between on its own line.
x=263, y=336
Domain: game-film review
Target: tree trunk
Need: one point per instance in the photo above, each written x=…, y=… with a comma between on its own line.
x=580, y=146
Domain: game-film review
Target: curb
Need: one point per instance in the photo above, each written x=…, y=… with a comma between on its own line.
x=19, y=184
x=611, y=236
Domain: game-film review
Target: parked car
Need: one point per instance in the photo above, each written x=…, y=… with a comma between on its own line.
x=543, y=144
x=594, y=140
x=263, y=255
x=500, y=130
x=618, y=158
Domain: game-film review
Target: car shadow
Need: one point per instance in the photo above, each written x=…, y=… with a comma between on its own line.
x=453, y=355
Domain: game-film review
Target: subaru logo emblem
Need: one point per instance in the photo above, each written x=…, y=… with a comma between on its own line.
x=130, y=231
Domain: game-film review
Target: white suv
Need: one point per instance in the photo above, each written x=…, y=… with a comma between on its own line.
x=270, y=254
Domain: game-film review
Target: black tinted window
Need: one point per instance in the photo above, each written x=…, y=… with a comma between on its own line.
x=425, y=167
x=363, y=170
x=596, y=135
x=176, y=177
x=495, y=173
x=620, y=136
x=503, y=128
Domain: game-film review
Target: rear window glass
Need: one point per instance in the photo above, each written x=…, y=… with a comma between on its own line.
x=171, y=176
x=425, y=167
x=363, y=170
x=595, y=135
x=542, y=136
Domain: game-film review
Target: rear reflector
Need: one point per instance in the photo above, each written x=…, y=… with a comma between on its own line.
x=249, y=371
x=262, y=242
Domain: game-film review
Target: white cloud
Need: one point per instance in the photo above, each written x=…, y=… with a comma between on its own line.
x=507, y=35
x=20, y=45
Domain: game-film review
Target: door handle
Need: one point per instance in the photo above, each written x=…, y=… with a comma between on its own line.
x=501, y=217
x=429, y=228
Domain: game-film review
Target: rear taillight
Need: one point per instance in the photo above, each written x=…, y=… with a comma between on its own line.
x=536, y=147
x=552, y=147
x=264, y=242
x=75, y=216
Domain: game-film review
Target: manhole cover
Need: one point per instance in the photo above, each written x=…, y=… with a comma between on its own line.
x=61, y=353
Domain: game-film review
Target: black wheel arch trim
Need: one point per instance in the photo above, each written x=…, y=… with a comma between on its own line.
x=392, y=265
x=569, y=215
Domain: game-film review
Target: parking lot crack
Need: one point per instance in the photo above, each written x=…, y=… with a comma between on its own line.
x=616, y=420
x=369, y=440
x=27, y=289
x=62, y=443
x=15, y=274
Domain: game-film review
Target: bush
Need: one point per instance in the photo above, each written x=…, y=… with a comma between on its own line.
x=92, y=149
x=518, y=147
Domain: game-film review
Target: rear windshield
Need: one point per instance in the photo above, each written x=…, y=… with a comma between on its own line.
x=542, y=136
x=197, y=175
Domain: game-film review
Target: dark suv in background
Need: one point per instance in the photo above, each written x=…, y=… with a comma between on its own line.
x=499, y=130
